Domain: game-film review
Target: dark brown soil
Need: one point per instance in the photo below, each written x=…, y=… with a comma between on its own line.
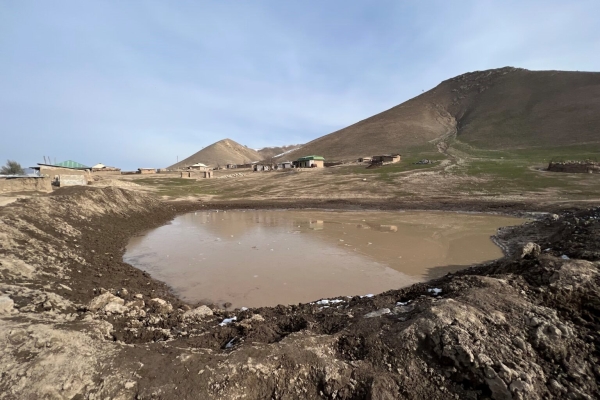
x=526, y=326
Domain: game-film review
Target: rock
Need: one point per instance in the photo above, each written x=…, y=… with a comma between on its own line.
x=129, y=385
x=7, y=305
x=123, y=292
x=115, y=308
x=531, y=250
x=137, y=303
x=519, y=386
x=139, y=296
x=103, y=300
x=197, y=313
x=161, y=306
x=498, y=388
x=257, y=317
x=377, y=313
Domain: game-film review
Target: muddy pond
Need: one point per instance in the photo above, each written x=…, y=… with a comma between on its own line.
x=265, y=258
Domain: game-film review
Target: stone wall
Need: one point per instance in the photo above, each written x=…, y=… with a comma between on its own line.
x=25, y=185
x=72, y=180
x=577, y=167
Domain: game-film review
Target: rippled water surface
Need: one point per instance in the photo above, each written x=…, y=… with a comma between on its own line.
x=265, y=258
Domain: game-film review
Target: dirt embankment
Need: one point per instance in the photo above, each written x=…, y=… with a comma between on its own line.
x=77, y=322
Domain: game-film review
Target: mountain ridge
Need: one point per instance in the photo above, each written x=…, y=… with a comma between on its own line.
x=493, y=109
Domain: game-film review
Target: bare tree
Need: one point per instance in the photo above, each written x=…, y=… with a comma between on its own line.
x=12, y=168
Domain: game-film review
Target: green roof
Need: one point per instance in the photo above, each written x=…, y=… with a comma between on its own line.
x=306, y=158
x=71, y=164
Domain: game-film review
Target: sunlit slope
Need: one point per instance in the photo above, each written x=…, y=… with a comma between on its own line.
x=500, y=109
x=221, y=153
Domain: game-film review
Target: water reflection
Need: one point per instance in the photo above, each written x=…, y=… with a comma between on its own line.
x=257, y=258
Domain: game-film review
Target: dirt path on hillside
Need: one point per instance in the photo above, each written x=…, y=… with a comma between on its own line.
x=77, y=322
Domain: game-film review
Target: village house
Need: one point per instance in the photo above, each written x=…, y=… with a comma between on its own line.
x=199, y=167
x=311, y=162
x=284, y=165
x=66, y=173
x=386, y=159
x=231, y=166
x=365, y=159
x=101, y=168
x=146, y=171
x=262, y=167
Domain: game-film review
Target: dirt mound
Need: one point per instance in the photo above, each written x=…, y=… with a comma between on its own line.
x=221, y=153
x=78, y=322
x=115, y=183
x=497, y=109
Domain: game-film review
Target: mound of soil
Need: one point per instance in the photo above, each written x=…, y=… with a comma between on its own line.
x=77, y=322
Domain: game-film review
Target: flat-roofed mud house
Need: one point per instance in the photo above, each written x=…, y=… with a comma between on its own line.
x=72, y=173
x=199, y=167
x=284, y=165
x=105, y=169
x=231, y=166
x=145, y=171
x=262, y=167
x=311, y=162
x=386, y=159
x=365, y=159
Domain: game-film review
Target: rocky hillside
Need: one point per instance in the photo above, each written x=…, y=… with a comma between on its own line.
x=221, y=153
x=271, y=152
x=506, y=108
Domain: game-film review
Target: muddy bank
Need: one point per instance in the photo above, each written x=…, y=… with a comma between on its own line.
x=77, y=322
x=418, y=203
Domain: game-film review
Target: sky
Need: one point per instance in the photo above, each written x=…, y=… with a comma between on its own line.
x=139, y=83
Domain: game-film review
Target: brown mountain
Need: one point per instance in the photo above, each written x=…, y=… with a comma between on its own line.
x=506, y=108
x=270, y=152
x=221, y=153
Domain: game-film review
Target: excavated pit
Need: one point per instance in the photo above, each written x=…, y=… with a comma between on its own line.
x=255, y=258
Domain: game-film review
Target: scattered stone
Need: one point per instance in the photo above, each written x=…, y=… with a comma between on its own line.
x=161, y=306
x=198, y=313
x=103, y=300
x=6, y=305
x=531, y=250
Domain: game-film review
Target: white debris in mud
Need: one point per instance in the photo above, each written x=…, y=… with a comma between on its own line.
x=377, y=313
x=227, y=321
x=435, y=291
x=243, y=308
x=565, y=257
x=367, y=295
x=325, y=301
x=229, y=344
x=402, y=303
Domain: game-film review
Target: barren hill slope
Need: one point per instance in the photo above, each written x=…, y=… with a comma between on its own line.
x=223, y=152
x=270, y=152
x=506, y=108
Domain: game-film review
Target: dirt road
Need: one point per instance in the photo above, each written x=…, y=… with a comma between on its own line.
x=77, y=322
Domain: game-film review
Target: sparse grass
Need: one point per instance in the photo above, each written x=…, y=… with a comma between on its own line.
x=176, y=187
x=387, y=173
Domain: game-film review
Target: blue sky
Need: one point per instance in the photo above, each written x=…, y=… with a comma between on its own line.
x=138, y=83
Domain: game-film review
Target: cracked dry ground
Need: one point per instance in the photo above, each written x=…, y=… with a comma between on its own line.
x=78, y=323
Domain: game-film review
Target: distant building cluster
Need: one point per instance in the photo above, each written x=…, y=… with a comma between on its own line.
x=383, y=159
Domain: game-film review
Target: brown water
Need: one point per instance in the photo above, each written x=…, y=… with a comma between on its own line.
x=265, y=258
